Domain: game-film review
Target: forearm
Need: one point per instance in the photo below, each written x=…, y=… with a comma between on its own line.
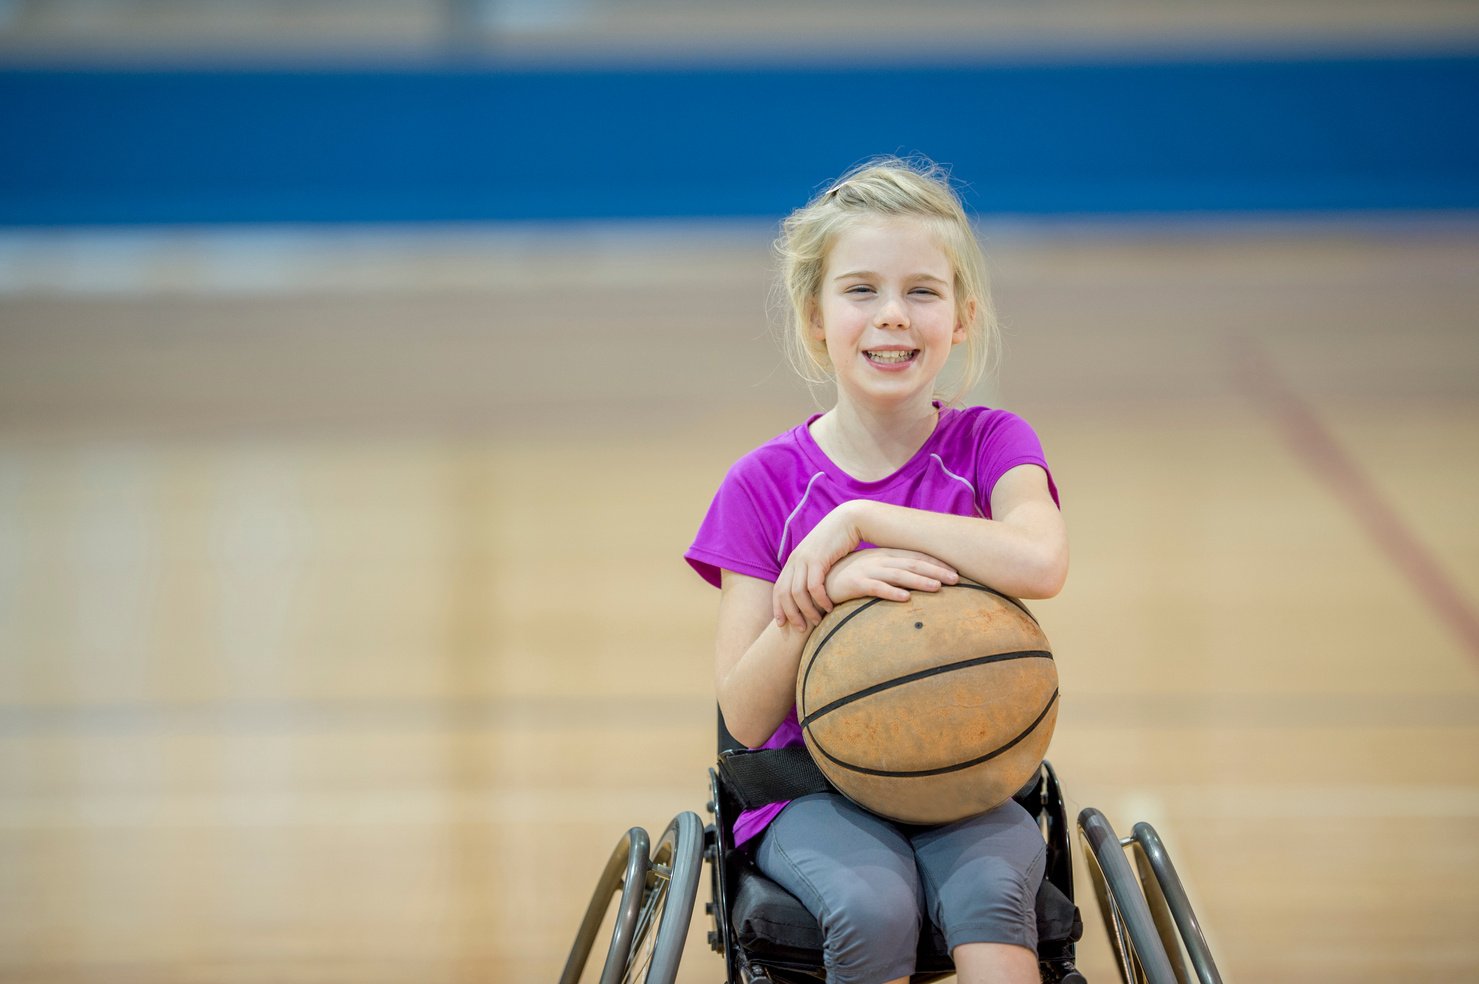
x=755, y=661
x=1026, y=558
x=759, y=689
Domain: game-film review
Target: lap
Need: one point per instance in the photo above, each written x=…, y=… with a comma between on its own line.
x=855, y=873
x=976, y=879
x=1006, y=835
x=824, y=847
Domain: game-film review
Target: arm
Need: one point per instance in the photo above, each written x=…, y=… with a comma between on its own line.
x=1023, y=551
x=755, y=660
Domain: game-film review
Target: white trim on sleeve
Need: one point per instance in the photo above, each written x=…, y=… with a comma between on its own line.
x=786, y=529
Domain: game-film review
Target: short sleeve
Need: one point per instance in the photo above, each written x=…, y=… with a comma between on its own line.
x=734, y=534
x=1007, y=441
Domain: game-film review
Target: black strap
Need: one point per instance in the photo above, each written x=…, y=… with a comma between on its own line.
x=771, y=775
x=757, y=776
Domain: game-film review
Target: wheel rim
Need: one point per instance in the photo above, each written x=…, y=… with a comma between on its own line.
x=649, y=918
x=669, y=887
x=1126, y=960
x=1124, y=907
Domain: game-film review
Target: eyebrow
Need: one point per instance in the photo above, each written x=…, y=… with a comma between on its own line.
x=870, y=274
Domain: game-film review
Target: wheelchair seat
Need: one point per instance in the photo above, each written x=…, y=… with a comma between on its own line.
x=767, y=934
x=774, y=928
x=647, y=890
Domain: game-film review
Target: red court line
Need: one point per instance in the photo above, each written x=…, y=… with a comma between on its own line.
x=1316, y=447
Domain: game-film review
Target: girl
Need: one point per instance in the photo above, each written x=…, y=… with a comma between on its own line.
x=890, y=491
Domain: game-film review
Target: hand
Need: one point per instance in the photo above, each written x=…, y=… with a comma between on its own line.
x=800, y=595
x=888, y=573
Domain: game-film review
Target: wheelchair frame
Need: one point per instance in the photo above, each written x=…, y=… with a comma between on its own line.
x=1154, y=933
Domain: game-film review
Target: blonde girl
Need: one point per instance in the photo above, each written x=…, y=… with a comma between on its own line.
x=892, y=490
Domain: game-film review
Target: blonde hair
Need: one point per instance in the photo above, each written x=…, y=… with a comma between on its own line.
x=886, y=186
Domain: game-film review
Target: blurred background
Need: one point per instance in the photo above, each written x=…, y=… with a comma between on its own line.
x=367, y=365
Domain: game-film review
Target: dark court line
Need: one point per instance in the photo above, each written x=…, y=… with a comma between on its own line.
x=1317, y=448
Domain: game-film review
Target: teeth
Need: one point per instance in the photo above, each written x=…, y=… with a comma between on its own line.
x=903, y=356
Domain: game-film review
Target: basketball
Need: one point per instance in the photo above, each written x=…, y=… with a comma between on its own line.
x=932, y=709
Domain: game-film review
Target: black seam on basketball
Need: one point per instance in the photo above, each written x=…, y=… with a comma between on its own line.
x=828, y=638
x=1004, y=597
x=862, y=608
x=944, y=769
x=964, y=664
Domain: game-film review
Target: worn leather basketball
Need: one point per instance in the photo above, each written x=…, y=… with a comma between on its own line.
x=932, y=709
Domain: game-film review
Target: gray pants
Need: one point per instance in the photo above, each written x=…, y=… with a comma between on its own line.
x=869, y=881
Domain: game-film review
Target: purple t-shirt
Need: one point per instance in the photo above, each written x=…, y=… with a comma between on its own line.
x=773, y=496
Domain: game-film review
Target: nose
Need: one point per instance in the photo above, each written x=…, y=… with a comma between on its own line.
x=892, y=313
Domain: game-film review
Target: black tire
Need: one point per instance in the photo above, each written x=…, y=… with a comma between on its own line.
x=670, y=886
x=1127, y=918
x=626, y=873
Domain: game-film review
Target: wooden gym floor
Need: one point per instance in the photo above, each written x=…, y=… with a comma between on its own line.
x=345, y=629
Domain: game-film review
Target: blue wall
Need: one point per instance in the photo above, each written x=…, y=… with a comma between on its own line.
x=457, y=143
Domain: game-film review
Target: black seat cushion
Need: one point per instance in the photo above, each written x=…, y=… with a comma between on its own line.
x=771, y=924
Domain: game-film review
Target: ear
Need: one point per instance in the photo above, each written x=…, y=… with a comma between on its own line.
x=968, y=317
x=814, y=321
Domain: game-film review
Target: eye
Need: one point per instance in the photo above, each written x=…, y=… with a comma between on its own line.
x=859, y=289
x=925, y=291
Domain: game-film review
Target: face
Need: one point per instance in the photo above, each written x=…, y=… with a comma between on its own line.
x=886, y=311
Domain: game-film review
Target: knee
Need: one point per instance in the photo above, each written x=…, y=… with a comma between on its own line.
x=1009, y=887
x=873, y=932
x=998, y=905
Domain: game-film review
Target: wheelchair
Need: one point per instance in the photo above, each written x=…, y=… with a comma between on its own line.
x=766, y=936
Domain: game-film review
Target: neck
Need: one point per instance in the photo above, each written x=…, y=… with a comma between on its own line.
x=870, y=443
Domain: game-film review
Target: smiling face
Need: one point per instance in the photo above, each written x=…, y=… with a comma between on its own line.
x=886, y=311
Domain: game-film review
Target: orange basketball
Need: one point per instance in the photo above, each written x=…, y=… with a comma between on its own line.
x=931, y=709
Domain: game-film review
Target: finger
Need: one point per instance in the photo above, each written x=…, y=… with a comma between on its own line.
x=778, y=598
x=915, y=579
x=807, y=605
x=934, y=580
x=793, y=614
x=910, y=581
x=817, y=587
x=931, y=568
x=929, y=559
x=784, y=606
x=800, y=600
x=806, y=589
x=886, y=591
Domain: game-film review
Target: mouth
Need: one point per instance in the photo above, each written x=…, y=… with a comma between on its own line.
x=891, y=357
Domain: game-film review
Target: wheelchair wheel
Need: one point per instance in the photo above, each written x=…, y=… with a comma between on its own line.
x=656, y=904
x=1127, y=918
x=1179, y=929
x=669, y=888
x=625, y=872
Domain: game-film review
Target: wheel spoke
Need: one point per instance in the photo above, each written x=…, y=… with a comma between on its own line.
x=645, y=941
